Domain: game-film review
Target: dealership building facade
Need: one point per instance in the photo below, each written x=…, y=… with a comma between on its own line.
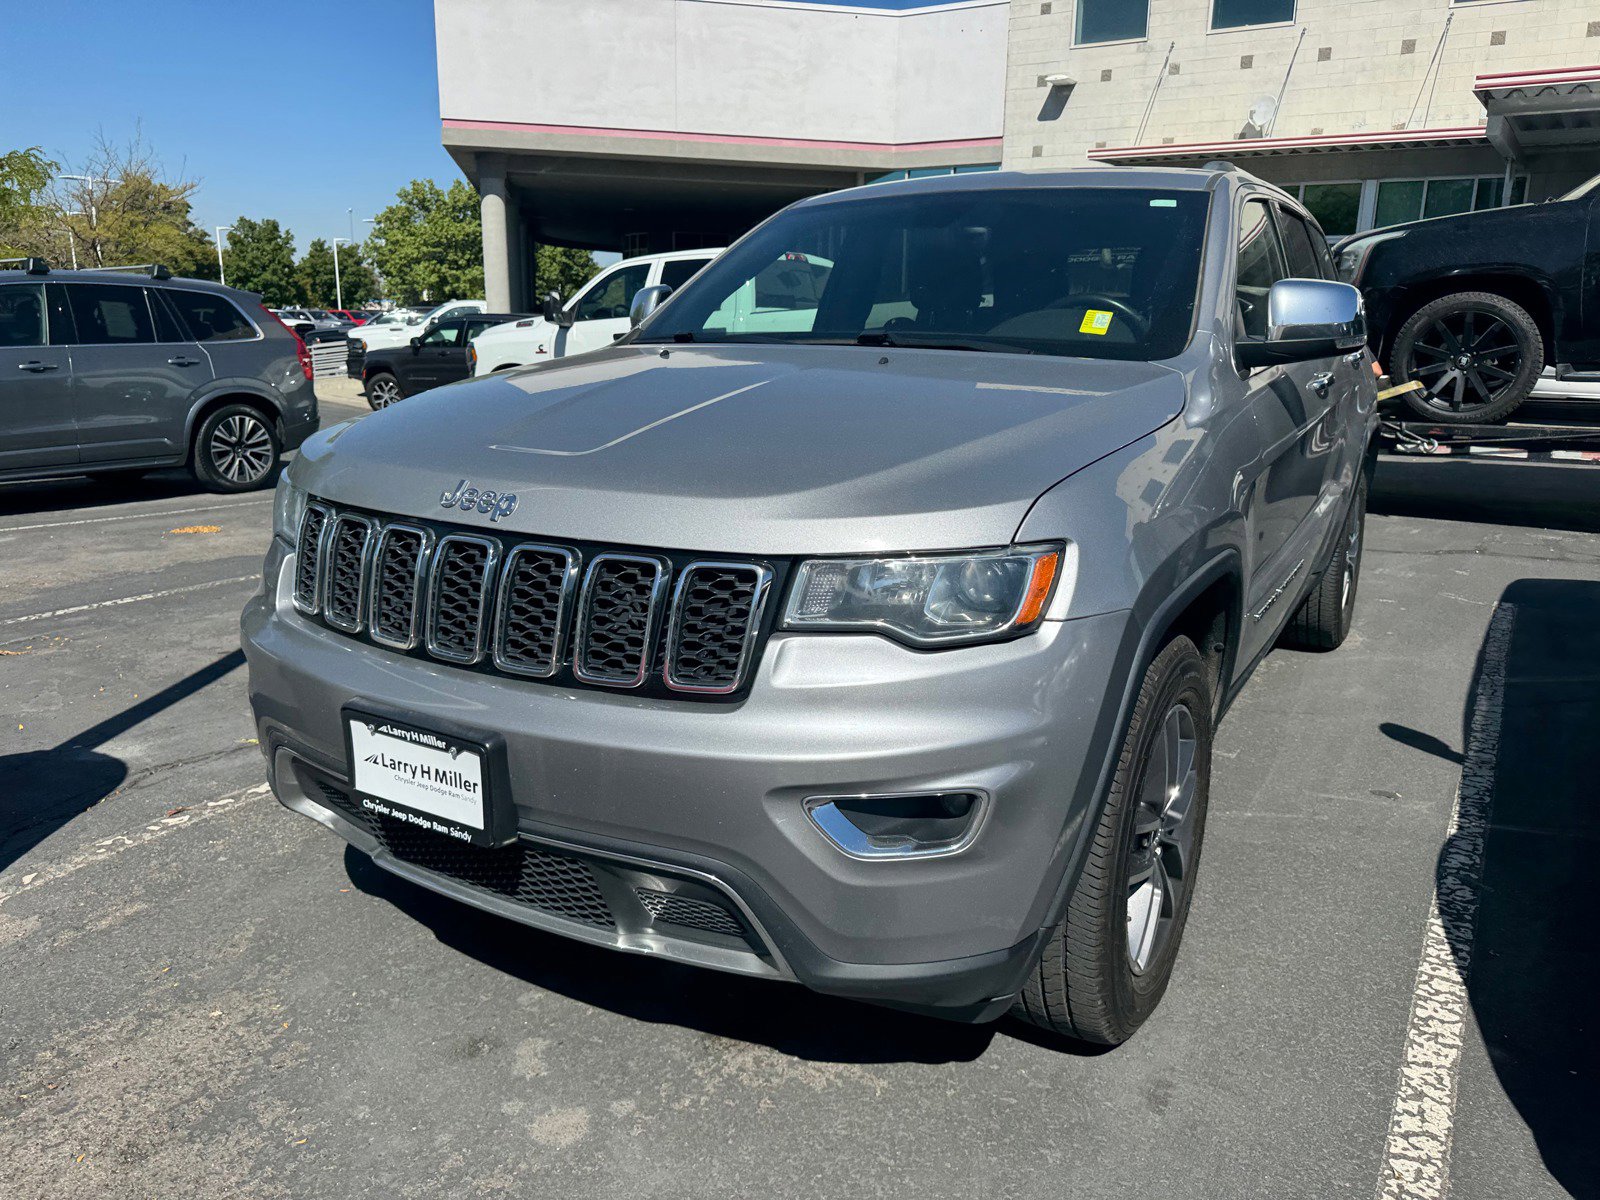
x=647, y=125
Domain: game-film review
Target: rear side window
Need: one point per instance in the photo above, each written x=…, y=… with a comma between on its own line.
x=678, y=271
x=22, y=315
x=210, y=317
x=107, y=314
x=1304, y=262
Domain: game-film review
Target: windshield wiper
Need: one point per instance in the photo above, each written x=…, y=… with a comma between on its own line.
x=912, y=341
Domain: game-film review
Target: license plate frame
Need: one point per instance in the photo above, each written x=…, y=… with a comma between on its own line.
x=409, y=749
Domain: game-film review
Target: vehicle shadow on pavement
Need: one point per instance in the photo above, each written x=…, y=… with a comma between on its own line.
x=92, y=492
x=1531, y=960
x=782, y=1016
x=42, y=790
x=1537, y=495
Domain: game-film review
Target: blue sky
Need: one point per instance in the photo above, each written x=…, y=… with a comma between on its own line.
x=289, y=110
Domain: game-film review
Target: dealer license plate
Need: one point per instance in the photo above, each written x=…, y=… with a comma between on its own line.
x=430, y=780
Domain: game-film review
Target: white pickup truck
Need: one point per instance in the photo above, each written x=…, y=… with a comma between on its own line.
x=379, y=335
x=591, y=319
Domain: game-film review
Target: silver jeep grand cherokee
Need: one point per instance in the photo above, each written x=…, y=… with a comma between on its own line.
x=863, y=617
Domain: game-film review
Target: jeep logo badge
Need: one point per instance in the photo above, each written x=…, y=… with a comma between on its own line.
x=494, y=505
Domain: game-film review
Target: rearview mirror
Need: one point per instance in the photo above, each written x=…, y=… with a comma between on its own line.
x=646, y=301
x=1307, y=319
x=552, y=310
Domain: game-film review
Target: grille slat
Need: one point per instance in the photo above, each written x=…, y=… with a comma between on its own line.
x=517, y=607
x=399, y=566
x=535, y=596
x=716, y=616
x=345, y=572
x=617, y=618
x=459, y=596
x=308, y=558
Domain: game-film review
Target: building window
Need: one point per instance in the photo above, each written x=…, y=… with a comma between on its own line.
x=1403, y=200
x=1235, y=14
x=1112, y=20
x=1336, y=206
x=926, y=172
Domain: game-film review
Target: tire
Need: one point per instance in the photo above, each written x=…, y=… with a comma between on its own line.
x=1323, y=620
x=1105, y=967
x=1478, y=353
x=236, y=449
x=383, y=389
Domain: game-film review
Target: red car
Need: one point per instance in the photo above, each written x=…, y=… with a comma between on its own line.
x=351, y=315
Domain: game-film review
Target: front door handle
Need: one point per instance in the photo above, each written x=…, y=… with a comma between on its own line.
x=34, y=366
x=1321, y=382
x=181, y=361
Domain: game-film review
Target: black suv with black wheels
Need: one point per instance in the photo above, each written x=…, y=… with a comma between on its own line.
x=106, y=372
x=441, y=354
x=1475, y=306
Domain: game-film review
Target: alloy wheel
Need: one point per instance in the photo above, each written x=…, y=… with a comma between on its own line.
x=1161, y=863
x=1465, y=359
x=384, y=391
x=1352, y=557
x=241, y=449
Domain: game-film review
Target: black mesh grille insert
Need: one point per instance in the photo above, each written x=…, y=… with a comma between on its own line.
x=619, y=604
x=307, y=552
x=531, y=611
x=689, y=913
x=460, y=575
x=395, y=594
x=347, y=552
x=716, y=606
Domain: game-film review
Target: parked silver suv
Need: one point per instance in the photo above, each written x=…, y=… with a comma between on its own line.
x=118, y=372
x=870, y=633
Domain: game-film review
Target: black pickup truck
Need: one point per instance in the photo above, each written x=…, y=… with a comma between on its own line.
x=1476, y=306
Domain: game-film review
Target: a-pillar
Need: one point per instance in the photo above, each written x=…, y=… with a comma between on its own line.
x=495, y=211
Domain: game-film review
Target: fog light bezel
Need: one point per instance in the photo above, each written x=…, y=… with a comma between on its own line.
x=850, y=840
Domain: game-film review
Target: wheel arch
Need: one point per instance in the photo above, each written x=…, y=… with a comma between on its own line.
x=1532, y=292
x=209, y=404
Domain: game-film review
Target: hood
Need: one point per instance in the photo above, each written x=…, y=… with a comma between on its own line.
x=755, y=450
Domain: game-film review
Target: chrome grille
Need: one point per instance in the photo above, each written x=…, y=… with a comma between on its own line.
x=716, y=615
x=517, y=607
x=535, y=594
x=308, y=558
x=395, y=609
x=616, y=629
x=345, y=576
x=458, y=602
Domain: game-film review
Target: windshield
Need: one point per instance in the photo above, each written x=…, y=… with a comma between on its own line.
x=1583, y=189
x=1089, y=272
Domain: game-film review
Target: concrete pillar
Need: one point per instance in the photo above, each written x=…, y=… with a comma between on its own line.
x=494, y=211
x=519, y=259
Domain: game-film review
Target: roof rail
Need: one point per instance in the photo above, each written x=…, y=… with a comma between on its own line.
x=33, y=266
x=154, y=270
x=1220, y=164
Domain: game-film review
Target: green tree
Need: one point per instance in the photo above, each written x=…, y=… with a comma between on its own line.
x=561, y=269
x=320, y=287
x=427, y=245
x=122, y=208
x=24, y=176
x=260, y=258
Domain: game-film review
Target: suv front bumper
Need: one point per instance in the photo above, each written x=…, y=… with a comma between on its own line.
x=706, y=801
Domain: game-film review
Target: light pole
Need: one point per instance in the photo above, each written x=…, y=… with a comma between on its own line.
x=72, y=241
x=222, y=274
x=351, y=213
x=338, y=287
x=94, y=211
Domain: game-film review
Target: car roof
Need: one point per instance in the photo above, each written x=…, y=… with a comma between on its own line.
x=141, y=278
x=1179, y=179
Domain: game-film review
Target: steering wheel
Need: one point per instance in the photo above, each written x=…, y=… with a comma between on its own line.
x=1141, y=327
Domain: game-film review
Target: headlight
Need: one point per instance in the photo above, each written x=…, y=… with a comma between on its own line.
x=288, y=507
x=927, y=600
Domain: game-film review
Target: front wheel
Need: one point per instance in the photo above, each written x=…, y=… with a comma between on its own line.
x=1476, y=354
x=383, y=389
x=1107, y=964
x=236, y=449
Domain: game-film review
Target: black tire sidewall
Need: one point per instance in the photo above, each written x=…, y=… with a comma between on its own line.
x=1516, y=318
x=202, y=466
x=1182, y=678
x=1341, y=555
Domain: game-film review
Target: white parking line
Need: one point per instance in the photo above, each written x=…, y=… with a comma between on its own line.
x=169, y=512
x=82, y=608
x=1416, y=1158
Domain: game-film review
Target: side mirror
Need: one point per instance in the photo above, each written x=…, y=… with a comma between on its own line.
x=1307, y=319
x=552, y=310
x=416, y=343
x=645, y=302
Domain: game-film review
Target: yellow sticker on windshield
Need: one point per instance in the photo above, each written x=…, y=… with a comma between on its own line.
x=1096, y=321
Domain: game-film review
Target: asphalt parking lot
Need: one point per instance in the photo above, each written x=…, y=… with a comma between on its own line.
x=206, y=995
